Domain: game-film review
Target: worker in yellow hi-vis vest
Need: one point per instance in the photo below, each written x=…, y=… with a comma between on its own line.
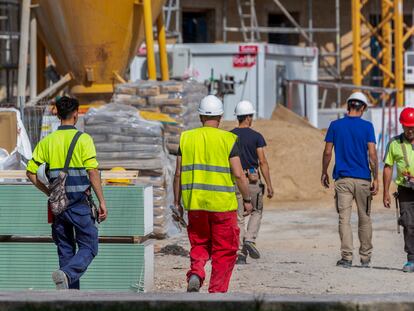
x=70, y=153
x=208, y=166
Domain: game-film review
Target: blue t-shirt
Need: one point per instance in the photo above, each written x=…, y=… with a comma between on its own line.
x=249, y=141
x=350, y=137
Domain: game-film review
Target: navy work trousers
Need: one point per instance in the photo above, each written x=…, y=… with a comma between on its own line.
x=75, y=227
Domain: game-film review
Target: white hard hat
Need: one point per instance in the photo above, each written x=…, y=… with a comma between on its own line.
x=358, y=97
x=211, y=106
x=41, y=174
x=244, y=108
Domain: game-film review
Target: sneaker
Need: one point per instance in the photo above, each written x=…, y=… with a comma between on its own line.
x=408, y=266
x=252, y=250
x=344, y=263
x=241, y=259
x=365, y=263
x=60, y=279
x=194, y=284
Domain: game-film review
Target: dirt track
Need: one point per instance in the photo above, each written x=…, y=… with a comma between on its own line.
x=300, y=246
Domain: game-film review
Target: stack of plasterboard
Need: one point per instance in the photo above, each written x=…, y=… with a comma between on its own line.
x=23, y=211
x=118, y=267
x=29, y=263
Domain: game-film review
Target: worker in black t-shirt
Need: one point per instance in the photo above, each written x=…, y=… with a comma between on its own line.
x=252, y=156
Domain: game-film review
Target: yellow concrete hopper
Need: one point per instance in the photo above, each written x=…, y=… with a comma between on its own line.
x=94, y=40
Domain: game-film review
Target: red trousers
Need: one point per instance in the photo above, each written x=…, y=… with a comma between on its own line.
x=215, y=236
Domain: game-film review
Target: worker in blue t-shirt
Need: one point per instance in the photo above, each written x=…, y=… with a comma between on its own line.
x=252, y=156
x=355, y=174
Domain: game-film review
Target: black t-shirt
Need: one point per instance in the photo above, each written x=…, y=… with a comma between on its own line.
x=235, y=151
x=249, y=141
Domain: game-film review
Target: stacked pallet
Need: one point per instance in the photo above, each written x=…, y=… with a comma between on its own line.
x=122, y=138
x=178, y=99
x=28, y=256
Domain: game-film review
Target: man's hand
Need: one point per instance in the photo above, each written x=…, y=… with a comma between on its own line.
x=103, y=212
x=270, y=192
x=179, y=208
x=248, y=208
x=387, y=200
x=374, y=187
x=325, y=180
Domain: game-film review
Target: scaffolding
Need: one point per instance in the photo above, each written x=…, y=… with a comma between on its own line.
x=9, y=44
x=391, y=33
x=333, y=71
x=172, y=12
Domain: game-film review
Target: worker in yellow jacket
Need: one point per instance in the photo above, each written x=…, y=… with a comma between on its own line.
x=208, y=166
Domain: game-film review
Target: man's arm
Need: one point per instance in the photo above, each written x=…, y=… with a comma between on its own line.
x=241, y=182
x=33, y=178
x=387, y=177
x=326, y=159
x=177, y=186
x=264, y=168
x=373, y=162
x=95, y=179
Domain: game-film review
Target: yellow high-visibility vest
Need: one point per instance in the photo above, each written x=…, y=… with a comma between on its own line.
x=206, y=180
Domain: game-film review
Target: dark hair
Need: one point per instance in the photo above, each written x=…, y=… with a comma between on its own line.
x=244, y=117
x=66, y=106
x=356, y=105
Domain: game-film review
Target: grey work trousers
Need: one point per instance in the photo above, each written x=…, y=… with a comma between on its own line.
x=255, y=218
x=406, y=220
x=346, y=190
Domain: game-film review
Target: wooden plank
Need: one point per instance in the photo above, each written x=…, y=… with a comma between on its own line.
x=19, y=174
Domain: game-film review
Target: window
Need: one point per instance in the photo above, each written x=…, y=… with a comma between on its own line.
x=198, y=27
x=280, y=20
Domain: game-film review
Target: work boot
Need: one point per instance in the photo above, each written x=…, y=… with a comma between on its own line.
x=194, y=284
x=365, y=263
x=60, y=279
x=252, y=250
x=344, y=263
x=241, y=259
x=408, y=267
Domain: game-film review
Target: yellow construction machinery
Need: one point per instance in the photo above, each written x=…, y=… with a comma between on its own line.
x=93, y=41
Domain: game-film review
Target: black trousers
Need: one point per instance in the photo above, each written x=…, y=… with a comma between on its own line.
x=406, y=198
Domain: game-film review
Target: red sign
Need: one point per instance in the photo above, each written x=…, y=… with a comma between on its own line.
x=244, y=60
x=248, y=49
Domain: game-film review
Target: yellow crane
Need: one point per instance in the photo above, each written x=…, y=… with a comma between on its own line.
x=391, y=34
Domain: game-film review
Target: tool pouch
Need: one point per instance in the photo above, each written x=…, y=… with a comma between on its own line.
x=336, y=202
x=253, y=175
x=93, y=207
x=369, y=202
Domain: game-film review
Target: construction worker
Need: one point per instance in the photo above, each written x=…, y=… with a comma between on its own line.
x=400, y=151
x=354, y=141
x=75, y=227
x=207, y=164
x=252, y=156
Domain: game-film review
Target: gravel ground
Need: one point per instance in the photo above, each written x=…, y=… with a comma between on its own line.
x=300, y=246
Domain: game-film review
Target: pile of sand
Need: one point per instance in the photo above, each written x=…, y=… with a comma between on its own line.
x=294, y=152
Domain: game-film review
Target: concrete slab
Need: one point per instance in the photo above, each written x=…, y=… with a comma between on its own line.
x=103, y=301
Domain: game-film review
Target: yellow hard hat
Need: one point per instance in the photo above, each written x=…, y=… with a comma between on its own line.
x=118, y=180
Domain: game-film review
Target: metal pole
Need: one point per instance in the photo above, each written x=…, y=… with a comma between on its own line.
x=338, y=45
x=149, y=40
x=305, y=101
x=178, y=21
x=399, y=51
x=225, y=21
x=162, y=44
x=23, y=51
x=383, y=103
x=33, y=57
x=52, y=89
x=310, y=19
x=387, y=48
x=356, y=42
